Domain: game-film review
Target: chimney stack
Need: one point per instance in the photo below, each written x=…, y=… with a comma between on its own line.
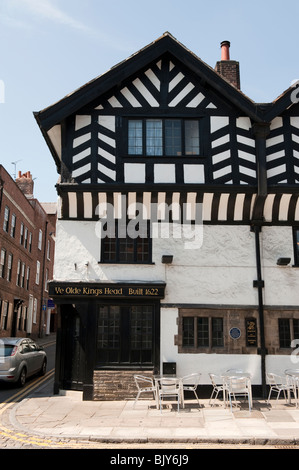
x=228, y=69
x=25, y=183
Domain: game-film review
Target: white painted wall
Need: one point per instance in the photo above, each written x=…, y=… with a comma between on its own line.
x=281, y=282
x=219, y=269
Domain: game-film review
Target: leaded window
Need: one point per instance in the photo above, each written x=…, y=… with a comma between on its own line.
x=164, y=137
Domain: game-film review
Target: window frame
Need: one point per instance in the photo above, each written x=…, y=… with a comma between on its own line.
x=137, y=242
x=164, y=155
x=3, y=258
x=13, y=225
x=208, y=339
x=6, y=219
x=9, y=267
x=291, y=325
x=126, y=335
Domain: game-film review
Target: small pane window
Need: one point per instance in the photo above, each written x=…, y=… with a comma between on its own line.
x=188, y=331
x=173, y=137
x=154, y=143
x=168, y=137
x=203, y=332
x=126, y=249
x=191, y=138
x=217, y=332
x=296, y=328
x=284, y=332
x=135, y=137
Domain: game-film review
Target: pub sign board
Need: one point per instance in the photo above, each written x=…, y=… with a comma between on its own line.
x=107, y=290
x=251, y=332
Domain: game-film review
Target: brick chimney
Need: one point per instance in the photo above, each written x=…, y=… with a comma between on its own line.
x=228, y=69
x=25, y=183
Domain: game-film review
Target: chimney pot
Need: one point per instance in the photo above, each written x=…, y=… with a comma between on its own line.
x=25, y=183
x=225, y=45
x=228, y=69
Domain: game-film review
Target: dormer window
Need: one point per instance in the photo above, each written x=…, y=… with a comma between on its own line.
x=164, y=137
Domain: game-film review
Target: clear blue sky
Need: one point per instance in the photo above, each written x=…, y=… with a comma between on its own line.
x=49, y=48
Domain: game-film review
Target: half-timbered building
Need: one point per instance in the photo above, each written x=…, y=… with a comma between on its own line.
x=177, y=237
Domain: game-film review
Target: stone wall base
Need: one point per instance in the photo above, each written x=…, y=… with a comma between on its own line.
x=117, y=385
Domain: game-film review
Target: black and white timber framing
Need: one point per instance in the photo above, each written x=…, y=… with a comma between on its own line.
x=86, y=134
x=246, y=173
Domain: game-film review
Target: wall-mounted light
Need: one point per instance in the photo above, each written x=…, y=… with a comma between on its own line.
x=283, y=261
x=167, y=259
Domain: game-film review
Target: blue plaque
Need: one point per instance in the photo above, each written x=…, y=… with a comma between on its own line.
x=235, y=333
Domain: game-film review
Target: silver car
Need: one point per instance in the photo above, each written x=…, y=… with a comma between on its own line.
x=21, y=358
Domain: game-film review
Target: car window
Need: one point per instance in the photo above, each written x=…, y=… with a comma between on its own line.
x=25, y=347
x=6, y=349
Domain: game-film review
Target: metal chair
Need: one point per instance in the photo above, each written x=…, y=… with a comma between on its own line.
x=170, y=387
x=279, y=384
x=217, y=388
x=144, y=384
x=191, y=379
x=238, y=386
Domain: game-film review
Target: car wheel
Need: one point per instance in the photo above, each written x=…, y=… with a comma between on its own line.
x=44, y=368
x=22, y=377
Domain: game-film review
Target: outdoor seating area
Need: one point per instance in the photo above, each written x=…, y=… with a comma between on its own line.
x=228, y=388
x=167, y=386
x=232, y=383
x=288, y=384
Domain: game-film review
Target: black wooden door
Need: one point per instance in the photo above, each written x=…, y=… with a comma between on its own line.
x=73, y=350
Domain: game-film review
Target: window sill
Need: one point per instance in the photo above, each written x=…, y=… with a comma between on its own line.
x=109, y=263
x=162, y=157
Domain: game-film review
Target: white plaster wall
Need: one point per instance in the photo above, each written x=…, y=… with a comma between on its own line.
x=277, y=364
x=218, y=268
x=281, y=282
x=77, y=253
x=215, y=267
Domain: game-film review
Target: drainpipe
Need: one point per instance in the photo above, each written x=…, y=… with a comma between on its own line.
x=260, y=131
x=42, y=275
x=259, y=284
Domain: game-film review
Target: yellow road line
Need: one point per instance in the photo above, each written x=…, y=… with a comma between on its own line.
x=28, y=388
x=24, y=438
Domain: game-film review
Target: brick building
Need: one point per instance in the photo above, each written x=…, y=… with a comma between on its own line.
x=26, y=259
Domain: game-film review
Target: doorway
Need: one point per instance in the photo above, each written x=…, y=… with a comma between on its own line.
x=72, y=349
